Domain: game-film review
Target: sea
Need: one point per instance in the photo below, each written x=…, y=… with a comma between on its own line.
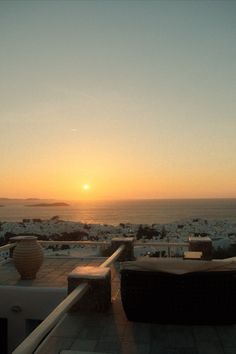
x=154, y=211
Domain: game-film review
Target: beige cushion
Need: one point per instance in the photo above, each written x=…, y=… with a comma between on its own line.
x=178, y=265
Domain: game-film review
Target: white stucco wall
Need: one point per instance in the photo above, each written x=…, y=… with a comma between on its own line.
x=33, y=303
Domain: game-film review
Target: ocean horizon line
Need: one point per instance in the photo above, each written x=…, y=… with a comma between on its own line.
x=29, y=199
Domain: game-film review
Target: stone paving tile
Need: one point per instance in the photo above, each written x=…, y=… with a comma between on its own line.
x=103, y=332
x=120, y=319
x=94, y=319
x=54, y=345
x=182, y=350
x=91, y=333
x=78, y=352
x=227, y=335
x=83, y=344
x=138, y=332
x=230, y=350
x=132, y=347
x=209, y=347
x=159, y=335
x=202, y=333
x=62, y=279
x=158, y=350
x=53, y=272
x=69, y=326
x=106, y=346
x=112, y=333
x=110, y=319
x=180, y=336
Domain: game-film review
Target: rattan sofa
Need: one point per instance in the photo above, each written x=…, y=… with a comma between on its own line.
x=177, y=291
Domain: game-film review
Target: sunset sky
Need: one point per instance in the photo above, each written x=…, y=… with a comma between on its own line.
x=118, y=99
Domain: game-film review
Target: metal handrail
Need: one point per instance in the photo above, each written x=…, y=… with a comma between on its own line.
x=167, y=245
x=109, y=261
x=95, y=243
x=161, y=244
x=8, y=246
x=101, y=243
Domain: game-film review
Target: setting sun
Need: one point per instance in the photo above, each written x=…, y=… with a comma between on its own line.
x=86, y=187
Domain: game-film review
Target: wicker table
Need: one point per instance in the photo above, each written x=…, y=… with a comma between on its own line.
x=177, y=297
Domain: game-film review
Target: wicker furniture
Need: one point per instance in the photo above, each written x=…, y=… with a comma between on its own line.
x=202, y=293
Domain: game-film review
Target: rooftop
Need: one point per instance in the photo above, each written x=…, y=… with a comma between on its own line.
x=53, y=272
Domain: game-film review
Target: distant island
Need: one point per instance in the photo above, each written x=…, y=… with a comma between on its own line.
x=16, y=199
x=60, y=204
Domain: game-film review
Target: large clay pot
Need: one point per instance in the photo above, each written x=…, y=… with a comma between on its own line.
x=27, y=256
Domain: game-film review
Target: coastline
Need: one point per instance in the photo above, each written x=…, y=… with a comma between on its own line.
x=126, y=211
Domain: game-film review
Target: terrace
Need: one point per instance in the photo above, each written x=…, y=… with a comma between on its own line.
x=66, y=330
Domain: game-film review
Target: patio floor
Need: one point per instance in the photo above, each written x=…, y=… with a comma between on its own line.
x=53, y=272
x=112, y=333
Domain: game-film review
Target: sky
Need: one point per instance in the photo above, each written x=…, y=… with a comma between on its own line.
x=118, y=99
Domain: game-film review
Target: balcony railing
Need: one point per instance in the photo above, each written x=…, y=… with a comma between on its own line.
x=168, y=246
x=5, y=251
x=32, y=342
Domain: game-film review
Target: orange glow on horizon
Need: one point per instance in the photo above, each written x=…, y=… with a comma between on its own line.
x=123, y=179
x=123, y=186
